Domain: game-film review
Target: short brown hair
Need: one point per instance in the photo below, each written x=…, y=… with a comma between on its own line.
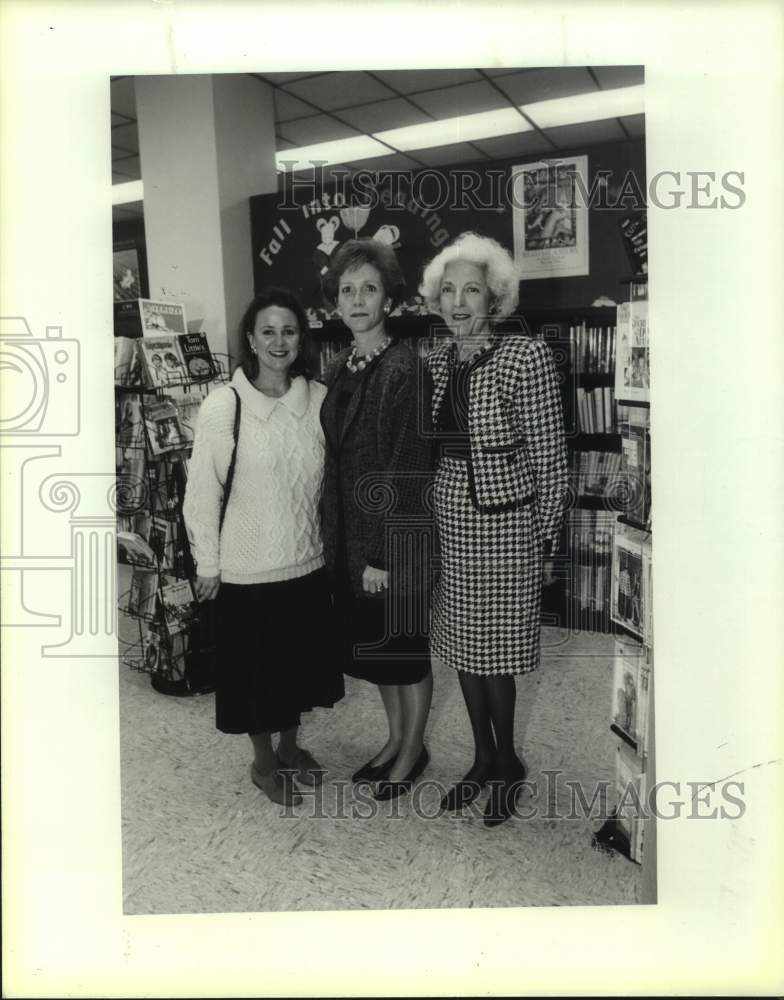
x=353, y=254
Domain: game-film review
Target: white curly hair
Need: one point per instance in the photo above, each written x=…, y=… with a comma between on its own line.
x=500, y=272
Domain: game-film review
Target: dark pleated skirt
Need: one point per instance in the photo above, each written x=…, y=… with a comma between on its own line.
x=277, y=654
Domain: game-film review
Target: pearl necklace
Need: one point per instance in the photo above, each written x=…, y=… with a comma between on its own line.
x=355, y=363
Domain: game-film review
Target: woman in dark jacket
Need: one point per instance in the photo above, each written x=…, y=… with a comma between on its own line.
x=377, y=532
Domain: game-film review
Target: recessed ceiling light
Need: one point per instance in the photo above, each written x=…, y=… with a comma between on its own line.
x=449, y=131
x=129, y=191
x=359, y=147
x=590, y=107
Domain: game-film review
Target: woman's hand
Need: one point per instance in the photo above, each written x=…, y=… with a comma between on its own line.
x=374, y=581
x=207, y=587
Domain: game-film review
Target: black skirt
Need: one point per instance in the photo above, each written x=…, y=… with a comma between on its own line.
x=276, y=654
x=373, y=645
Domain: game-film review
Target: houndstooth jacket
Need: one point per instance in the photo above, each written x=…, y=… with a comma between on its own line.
x=515, y=422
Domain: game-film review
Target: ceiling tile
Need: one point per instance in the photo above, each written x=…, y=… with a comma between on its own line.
x=281, y=143
x=129, y=170
x=288, y=107
x=466, y=99
x=119, y=119
x=131, y=210
x=395, y=161
x=505, y=70
x=382, y=115
x=318, y=128
x=619, y=76
x=123, y=96
x=126, y=137
x=567, y=137
x=459, y=152
x=408, y=81
x=545, y=84
x=287, y=77
x=521, y=144
x=339, y=90
x=634, y=125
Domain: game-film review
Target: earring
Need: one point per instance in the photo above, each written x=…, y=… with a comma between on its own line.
x=253, y=349
x=387, y=308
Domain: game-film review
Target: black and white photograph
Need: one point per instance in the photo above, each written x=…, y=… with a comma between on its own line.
x=367, y=548
x=373, y=506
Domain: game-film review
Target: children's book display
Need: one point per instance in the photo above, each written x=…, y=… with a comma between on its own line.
x=160, y=382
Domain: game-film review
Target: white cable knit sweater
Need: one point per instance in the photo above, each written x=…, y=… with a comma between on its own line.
x=271, y=529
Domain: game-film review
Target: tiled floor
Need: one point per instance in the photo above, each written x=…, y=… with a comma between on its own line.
x=198, y=837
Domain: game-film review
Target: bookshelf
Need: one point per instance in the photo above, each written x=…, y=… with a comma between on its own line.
x=154, y=427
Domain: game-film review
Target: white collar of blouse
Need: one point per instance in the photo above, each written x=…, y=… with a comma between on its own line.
x=296, y=400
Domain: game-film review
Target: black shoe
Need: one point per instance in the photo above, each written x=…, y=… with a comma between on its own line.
x=391, y=789
x=461, y=794
x=502, y=802
x=373, y=772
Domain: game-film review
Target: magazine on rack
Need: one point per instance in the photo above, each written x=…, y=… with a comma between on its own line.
x=162, y=362
x=164, y=431
x=634, y=425
x=196, y=357
x=162, y=317
x=178, y=602
x=629, y=590
x=632, y=364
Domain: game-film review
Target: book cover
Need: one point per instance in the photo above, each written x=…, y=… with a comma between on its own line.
x=162, y=317
x=627, y=695
x=162, y=364
x=141, y=597
x=627, y=579
x=196, y=357
x=135, y=550
x=164, y=432
x=132, y=490
x=178, y=603
x=130, y=430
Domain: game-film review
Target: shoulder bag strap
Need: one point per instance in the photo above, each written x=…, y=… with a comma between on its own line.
x=230, y=473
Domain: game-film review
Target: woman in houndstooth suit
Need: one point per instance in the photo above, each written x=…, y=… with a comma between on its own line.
x=500, y=486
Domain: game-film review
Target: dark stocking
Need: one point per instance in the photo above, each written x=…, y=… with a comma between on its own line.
x=501, y=695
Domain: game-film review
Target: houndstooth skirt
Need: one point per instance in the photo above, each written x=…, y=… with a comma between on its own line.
x=486, y=604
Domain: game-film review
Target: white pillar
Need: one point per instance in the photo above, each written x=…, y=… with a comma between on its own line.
x=207, y=143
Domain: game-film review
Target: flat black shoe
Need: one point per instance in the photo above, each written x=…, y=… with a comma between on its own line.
x=461, y=794
x=373, y=772
x=392, y=789
x=502, y=802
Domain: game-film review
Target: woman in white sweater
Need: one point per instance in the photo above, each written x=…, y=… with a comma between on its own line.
x=252, y=513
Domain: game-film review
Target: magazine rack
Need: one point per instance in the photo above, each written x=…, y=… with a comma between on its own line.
x=629, y=830
x=154, y=436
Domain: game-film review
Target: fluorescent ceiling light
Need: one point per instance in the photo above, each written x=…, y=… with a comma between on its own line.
x=359, y=147
x=594, y=106
x=448, y=131
x=590, y=107
x=123, y=193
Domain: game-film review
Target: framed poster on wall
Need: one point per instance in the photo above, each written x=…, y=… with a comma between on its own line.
x=550, y=218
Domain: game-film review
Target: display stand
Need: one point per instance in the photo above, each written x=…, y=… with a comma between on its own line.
x=154, y=438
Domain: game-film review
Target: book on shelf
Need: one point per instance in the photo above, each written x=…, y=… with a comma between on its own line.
x=634, y=427
x=592, y=348
x=196, y=357
x=178, y=603
x=161, y=541
x=164, y=431
x=630, y=791
x=595, y=410
x=629, y=699
x=629, y=587
x=162, y=317
x=587, y=587
x=632, y=366
x=595, y=472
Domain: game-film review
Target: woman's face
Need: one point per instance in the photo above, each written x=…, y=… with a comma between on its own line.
x=464, y=298
x=276, y=338
x=361, y=299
